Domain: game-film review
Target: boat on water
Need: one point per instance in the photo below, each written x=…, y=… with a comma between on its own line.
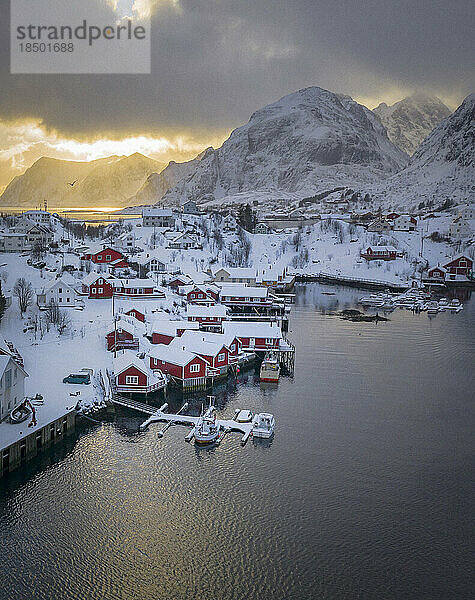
x=243, y=416
x=432, y=307
x=207, y=428
x=263, y=425
x=270, y=368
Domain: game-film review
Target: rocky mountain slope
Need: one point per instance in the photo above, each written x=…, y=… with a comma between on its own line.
x=304, y=143
x=157, y=184
x=108, y=181
x=442, y=168
x=410, y=121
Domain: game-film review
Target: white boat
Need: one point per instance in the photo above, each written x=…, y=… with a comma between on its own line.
x=263, y=425
x=244, y=416
x=20, y=413
x=432, y=307
x=270, y=368
x=455, y=302
x=208, y=428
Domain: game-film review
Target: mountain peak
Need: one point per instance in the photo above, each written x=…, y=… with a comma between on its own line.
x=411, y=120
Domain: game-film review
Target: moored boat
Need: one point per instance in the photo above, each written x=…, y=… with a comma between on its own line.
x=208, y=428
x=20, y=413
x=270, y=368
x=263, y=425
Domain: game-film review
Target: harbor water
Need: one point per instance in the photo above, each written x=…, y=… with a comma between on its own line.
x=364, y=492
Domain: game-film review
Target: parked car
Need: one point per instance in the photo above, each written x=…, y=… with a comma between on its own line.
x=81, y=377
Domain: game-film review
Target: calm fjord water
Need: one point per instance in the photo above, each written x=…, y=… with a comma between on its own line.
x=365, y=491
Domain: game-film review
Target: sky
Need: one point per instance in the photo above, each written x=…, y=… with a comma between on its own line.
x=214, y=62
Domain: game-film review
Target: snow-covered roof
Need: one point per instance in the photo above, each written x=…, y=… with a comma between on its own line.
x=242, y=291
x=250, y=329
x=137, y=283
x=93, y=276
x=130, y=359
x=216, y=310
x=382, y=248
x=172, y=353
x=169, y=327
x=157, y=212
x=60, y=281
x=237, y=272
x=196, y=342
x=157, y=254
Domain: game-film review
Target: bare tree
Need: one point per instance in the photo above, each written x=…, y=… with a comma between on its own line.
x=24, y=292
x=64, y=322
x=52, y=313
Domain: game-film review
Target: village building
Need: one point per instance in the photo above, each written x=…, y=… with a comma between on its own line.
x=98, y=285
x=379, y=225
x=436, y=274
x=13, y=242
x=262, y=228
x=126, y=242
x=137, y=288
x=102, y=259
x=404, y=223
x=467, y=212
x=260, y=336
x=212, y=349
x=190, y=208
x=152, y=262
x=459, y=269
x=207, y=316
x=42, y=217
x=234, y=275
x=134, y=375
x=460, y=229
x=236, y=295
x=164, y=331
x=158, y=217
x=61, y=291
x=380, y=253
x=174, y=360
x=141, y=309
x=12, y=384
x=181, y=241
x=124, y=335
x=201, y=294
x=178, y=281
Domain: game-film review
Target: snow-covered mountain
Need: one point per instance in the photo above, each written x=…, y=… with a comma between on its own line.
x=410, y=121
x=442, y=168
x=304, y=143
x=108, y=181
x=157, y=184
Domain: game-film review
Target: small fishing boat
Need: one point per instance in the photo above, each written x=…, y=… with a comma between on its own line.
x=263, y=425
x=270, y=368
x=432, y=307
x=455, y=302
x=207, y=428
x=20, y=413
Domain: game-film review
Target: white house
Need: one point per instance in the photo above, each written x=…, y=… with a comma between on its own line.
x=182, y=241
x=459, y=229
x=190, y=208
x=13, y=242
x=41, y=217
x=61, y=291
x=157, y=217
x=467, y=212
x=404, y=223
x=126, y=241
x=12, y=385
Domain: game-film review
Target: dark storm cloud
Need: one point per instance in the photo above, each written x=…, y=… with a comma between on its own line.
x=215, y=61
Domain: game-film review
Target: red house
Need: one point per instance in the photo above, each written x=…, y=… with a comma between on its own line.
x=106, y=256
x=163, y=332
x=133, y=312
x=96, y=285
x=178, y=281
x=207, y=315
x=380, y=253
x=392, y=216
x=138, y=288
x=133, y=375
x=204, y=295
x=212, y=350
x=177, y=362
x=123, y=336
x=462, y=266
x=254, y=336
x=437, y=274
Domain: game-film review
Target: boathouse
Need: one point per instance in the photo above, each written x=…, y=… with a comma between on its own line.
x=259, y=336
x=134, y=375
x=177, y=362
x=123, y=336
x=207, y=315
x=459, y=268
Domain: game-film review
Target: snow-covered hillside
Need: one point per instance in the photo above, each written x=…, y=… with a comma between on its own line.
x=306, y=142
x=409, y=121
x=443, y=167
